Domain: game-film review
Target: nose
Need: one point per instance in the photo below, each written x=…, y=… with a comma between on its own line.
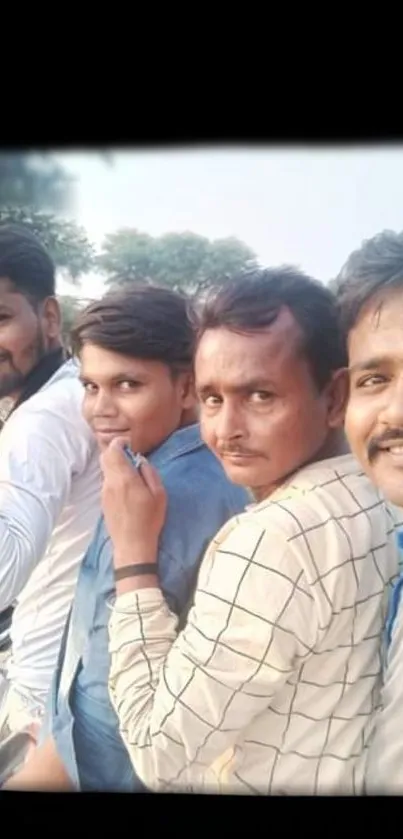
x=103, y=405
x=229, y=424
x=392, y=411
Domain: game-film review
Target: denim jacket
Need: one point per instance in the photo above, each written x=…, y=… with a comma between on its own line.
x=80, y=716
x=396, y=594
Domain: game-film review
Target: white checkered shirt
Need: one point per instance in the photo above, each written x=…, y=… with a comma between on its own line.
x=273, y=685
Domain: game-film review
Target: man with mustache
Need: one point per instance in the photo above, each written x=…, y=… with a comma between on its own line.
x=370, y=294
x=136, y=353
x=49, y=486
x=273, y=684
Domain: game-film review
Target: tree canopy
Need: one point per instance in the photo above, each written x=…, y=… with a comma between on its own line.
x=35, y=190
x=66, y=242
x=179, y=260
x=34, y=180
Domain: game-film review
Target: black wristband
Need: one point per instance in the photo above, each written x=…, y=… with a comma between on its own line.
x=136, y=570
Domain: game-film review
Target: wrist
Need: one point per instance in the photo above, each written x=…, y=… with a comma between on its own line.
x=135, y=555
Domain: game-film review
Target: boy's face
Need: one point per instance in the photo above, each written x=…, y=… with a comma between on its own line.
x=133, y=398
x=374, y=418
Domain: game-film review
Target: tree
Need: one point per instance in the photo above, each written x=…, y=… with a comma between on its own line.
x=224, y=259
x=66, y=242
x=126, y=257
x=179, y=260
x=34, y=180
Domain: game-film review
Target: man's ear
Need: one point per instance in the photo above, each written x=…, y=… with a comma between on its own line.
x=51, y=318
x=188, y=391
x=337, y=393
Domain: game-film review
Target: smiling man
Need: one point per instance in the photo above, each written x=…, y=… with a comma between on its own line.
x=136, y=352
x=273, y=685
x=370, y=292
x=49, y=485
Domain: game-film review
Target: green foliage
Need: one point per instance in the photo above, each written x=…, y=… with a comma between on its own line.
x=66, y=242
x=126, y=257
x=34, y=180
x=179, y=260
x=34, y=188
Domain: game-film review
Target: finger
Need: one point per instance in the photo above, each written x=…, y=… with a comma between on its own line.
x=114, y=458
x=151, y=477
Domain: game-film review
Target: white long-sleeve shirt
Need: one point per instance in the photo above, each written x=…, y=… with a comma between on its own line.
x=49, y=503
x=274, y=683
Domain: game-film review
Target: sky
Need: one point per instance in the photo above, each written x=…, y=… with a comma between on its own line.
x=306, y=207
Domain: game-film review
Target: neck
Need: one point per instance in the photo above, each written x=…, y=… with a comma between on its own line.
x=335, y=445
x=40, y=373
x=189, y=417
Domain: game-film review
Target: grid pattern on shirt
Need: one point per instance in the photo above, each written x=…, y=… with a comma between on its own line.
x=278, y=670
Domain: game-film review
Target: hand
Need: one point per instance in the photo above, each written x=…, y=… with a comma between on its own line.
x=134, y=506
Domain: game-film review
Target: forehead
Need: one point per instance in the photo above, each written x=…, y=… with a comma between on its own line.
x=378, y=331
x=12, y=299
x=101, y=365
x=235, y=358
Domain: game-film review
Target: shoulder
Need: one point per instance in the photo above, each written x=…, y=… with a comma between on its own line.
x=325, y=516
x=196, y=479
x=322, y=496
x=61, y=397
x=200, y=500
x=52, y=418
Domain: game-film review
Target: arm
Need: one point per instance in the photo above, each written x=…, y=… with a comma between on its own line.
x=39, y=452
x=182, y=703
x=44, y=771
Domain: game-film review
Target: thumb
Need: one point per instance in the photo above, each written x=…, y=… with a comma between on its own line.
x=151, y=478
x=114, y=458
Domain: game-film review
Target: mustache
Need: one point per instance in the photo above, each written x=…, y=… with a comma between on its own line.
x=236, y=450
x=392, y=434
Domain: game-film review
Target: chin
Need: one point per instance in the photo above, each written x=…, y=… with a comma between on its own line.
x=241, y=475
x=104, y=440
x=391, y=490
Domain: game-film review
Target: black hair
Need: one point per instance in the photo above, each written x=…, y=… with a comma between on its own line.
x=26, y=263
x=373, y=270
x=252, y=301
x=144, y=321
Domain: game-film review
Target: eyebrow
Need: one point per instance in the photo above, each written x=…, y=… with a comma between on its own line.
x=369, y=364
x=252, y=384
x=119, y=377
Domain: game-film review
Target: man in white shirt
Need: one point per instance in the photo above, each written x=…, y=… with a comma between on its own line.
x=370, y=294
x=273, y=685
x=49, y=477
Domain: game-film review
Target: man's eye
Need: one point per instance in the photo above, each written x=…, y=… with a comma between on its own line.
x=261, y=396
x=211, y=400
x=129, y=384
x=371, y=381
x=89, y=387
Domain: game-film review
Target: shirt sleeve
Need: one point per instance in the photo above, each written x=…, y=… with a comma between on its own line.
x=183, y=701
x=39, y=454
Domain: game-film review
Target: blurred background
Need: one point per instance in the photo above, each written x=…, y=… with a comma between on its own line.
x=189, y=218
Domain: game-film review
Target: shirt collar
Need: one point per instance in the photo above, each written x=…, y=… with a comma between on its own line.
x=182, y=441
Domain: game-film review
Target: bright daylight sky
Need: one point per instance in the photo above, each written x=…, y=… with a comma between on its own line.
x=308, y=207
